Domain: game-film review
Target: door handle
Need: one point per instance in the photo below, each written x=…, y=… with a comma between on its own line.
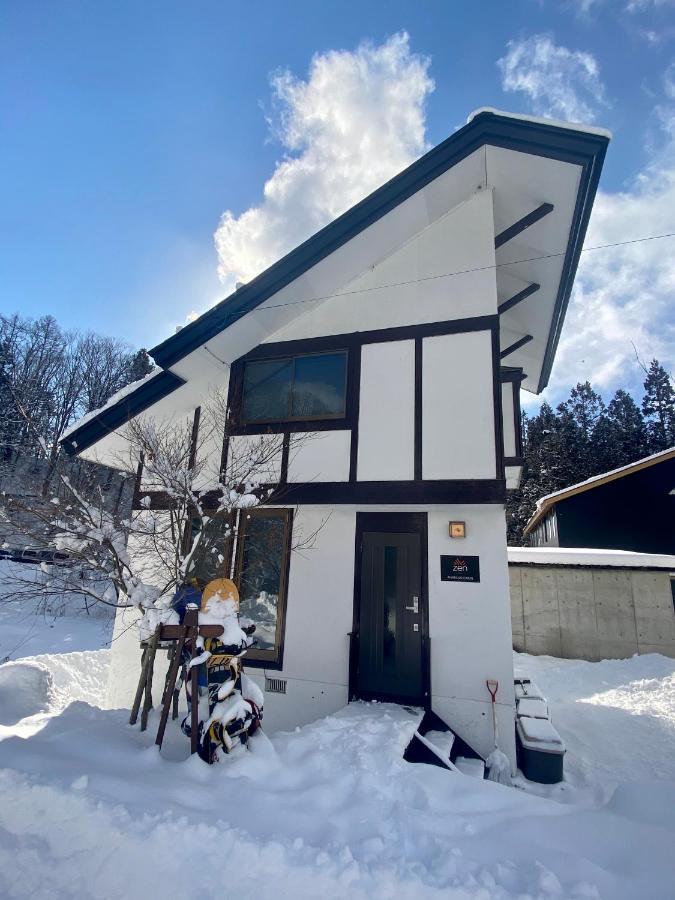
x=416, y=605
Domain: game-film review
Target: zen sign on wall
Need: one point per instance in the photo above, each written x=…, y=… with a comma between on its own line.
x=460, y=568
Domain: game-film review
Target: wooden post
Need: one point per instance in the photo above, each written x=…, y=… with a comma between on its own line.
x=150, y=669
x=139, y=690
x=188, y=633
x=171, y=683
x=192, y=621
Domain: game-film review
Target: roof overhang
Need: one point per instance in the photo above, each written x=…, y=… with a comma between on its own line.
x=543, y=177
x=541, y=214
x=119, y=410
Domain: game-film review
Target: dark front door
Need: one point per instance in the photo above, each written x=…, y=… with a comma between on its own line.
x=391, y=614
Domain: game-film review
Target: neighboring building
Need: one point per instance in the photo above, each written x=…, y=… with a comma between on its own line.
x=591, y=604
x=387, y=335
x=631, y=508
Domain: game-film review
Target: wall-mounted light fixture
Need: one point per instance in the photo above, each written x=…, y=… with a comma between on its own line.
x=457, y=529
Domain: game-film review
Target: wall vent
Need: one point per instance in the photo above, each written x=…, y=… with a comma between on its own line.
x=275, y=685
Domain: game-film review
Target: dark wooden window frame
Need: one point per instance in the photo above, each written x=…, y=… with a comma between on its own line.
x=268, y=659
x=514, y=377
x=239, y=425
x=288, y=419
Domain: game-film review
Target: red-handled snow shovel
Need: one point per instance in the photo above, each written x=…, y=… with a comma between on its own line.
x=499, y=766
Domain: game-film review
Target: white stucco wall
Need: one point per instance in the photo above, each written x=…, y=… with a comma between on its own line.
x=387, y=412
x=470, y=626
x=508, y=420
x=319, y=456
x=457, y=406
x=409, y=284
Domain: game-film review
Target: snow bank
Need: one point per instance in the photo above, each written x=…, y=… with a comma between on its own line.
x=580, y=556
x=616, y=717
x=25, y=633
x=25, y=690
x=330, y=810
x=90, y=808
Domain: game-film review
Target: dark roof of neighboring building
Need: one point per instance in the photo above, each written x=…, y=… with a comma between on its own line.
x=544, y=504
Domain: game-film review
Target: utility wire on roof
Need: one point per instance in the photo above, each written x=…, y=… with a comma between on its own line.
x=515, y=262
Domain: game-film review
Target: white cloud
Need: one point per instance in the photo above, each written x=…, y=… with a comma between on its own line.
x=638, y=6
x=559, y=82
x=586, y=7
x=625, y=296
x=355, y=122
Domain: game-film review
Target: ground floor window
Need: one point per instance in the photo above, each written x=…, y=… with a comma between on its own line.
x=261, y=574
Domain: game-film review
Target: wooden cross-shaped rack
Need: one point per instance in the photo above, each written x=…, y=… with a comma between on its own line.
x=184, y=635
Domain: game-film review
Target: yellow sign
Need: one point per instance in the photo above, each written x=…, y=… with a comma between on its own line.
x=224, y=587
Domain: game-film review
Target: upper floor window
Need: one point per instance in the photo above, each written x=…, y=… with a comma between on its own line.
x=312, y=386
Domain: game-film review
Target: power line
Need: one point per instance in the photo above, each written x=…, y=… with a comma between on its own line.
x=515, y=262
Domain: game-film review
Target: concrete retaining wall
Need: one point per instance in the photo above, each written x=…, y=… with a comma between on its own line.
x=591, y=613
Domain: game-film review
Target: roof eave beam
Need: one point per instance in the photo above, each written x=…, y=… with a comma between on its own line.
x=513, y=230
x=518, y=298
x=516, y=346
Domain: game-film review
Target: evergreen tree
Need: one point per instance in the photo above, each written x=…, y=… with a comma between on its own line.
x=620, y=437
x=658, y=406
x=579, y=417
x=138, y=366
x=550, y=442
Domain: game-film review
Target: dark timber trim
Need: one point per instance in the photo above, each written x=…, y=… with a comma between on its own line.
x=419, y=369
x=517, y=419
x=464, y=490
x=530, y=219
x=194, y=437
x=468, y=490
x=514, y=376
x=518, y=298
x=285, y=447
x=350, y=339
x=497, y=405
x=516, y=346
x=354, y=399
x=136, y=497
x=401, y=522
x=112, y=417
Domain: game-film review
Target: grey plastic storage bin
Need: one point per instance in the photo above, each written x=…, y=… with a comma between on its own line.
x=540, y=750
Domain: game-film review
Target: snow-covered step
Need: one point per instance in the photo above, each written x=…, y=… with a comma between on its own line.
x=442, y=741
x=440, y=756
x=474, y=768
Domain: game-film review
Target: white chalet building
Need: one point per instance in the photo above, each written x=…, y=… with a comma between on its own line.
x=408, y=326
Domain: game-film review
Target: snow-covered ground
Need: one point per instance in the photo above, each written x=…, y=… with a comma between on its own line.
x=90, y=809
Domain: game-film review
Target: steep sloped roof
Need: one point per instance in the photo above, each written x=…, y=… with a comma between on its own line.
x=578, y=145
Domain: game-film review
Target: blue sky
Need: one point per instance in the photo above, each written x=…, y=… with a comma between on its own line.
x=129, y=129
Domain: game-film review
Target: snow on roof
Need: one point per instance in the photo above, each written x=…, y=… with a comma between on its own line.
x=543, y=503
x=582, y=556
x=539, y=120
x=111, y=401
